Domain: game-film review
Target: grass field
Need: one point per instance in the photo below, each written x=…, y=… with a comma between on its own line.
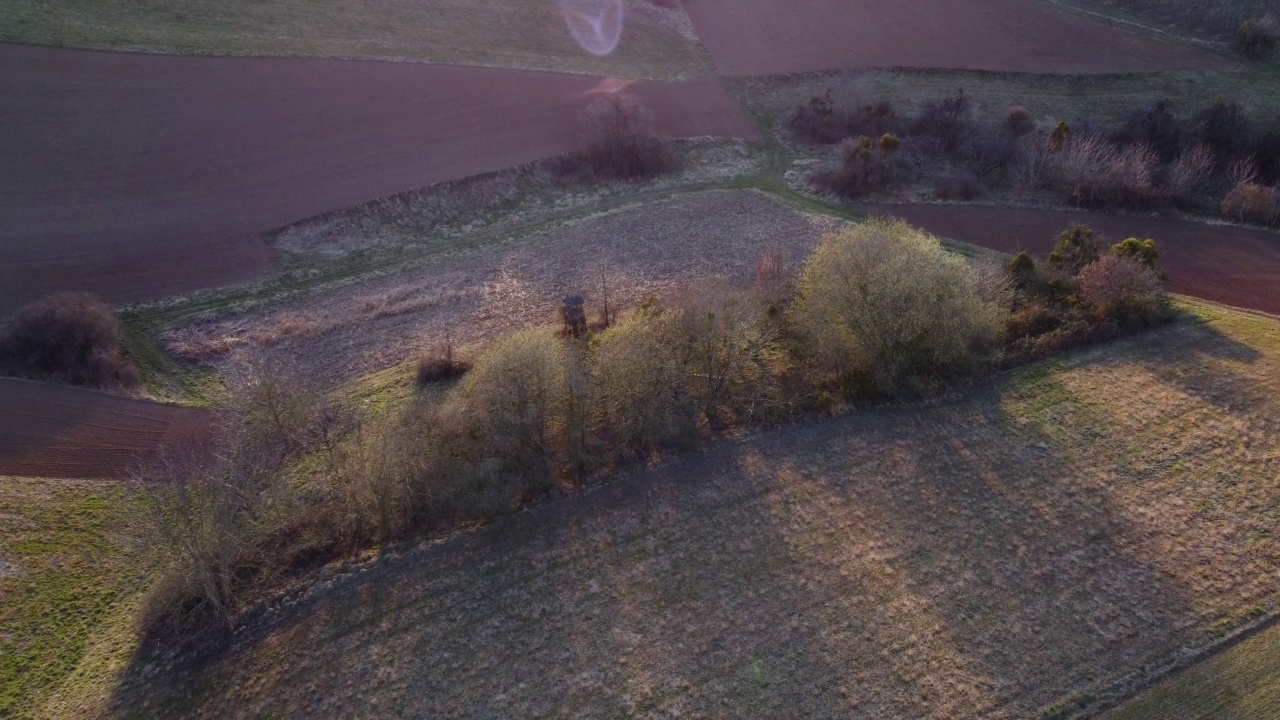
x=1042, y=540
x=1241, y=684
x=502, y=33
x=1213, y=21
x=1103, y=100
x=68, y=586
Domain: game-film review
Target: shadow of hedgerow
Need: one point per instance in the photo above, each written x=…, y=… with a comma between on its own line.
x=986, y=556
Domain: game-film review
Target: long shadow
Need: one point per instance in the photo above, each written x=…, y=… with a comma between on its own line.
x=977, y=558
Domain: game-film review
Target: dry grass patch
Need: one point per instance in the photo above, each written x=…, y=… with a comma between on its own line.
x=986, y=556
x=656, y=41
x=635, y=252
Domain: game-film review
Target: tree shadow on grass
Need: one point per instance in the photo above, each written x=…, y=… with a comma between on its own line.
x=983, y=557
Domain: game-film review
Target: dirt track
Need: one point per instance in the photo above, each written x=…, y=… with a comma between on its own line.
x=765, y=37
x=1231, y=265
x=53, y=431
x=142, y=176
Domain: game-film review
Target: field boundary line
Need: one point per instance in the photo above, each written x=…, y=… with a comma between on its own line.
x=1087, y=705
x=1122, y=22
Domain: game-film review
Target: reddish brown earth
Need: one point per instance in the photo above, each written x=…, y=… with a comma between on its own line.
x=1231, y=265
x=767, y=37
x=54, y=431
x=141, y=176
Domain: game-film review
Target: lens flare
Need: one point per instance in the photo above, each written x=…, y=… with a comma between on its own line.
x=595, y=24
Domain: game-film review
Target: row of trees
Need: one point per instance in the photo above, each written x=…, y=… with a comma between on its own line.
x=1214, y=160
x=877, y=311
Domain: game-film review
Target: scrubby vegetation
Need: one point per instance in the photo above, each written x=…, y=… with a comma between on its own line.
x=1217, y=159
x=880, y=311
x=1258, y=37
x=72, y=338
x=1078, y=295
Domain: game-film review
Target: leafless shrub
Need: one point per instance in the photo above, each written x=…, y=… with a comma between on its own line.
x=822, y=122
x=1121, y=287
x=1243, y=171
x=67, y=337
x=773, y=275
x=730, y=339
x=1253, y=203
x=883, y=309
x=989, y=152
x=948, y=119
x=442, y=365
x=1098, y=174
x=621, y=139
x=208, y=502
x=1034, y=162
x=1190, y=171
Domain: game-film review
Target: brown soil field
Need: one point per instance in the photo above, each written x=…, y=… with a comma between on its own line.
x=63, y=432
x=141, y=176
x=343, y=334
x=985, y=556
x=1232, y=265
x=763, y=37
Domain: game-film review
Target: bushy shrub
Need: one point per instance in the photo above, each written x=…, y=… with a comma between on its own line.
x=1076, y=247
x=621, y=139
x=1144, y=251
x=641, y=399
x=1252, y=202
x=1224, y=127
x=1156, y=126
x=823, y=123
x=1061, y=134
x=1018, y=122
x=1258, y=37
x=506, y=419
x=1121, y=287
x=882, y=309
x=866, y=165
x=67, y=337
x=948, y=120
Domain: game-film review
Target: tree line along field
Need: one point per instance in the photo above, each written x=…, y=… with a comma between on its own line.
x=1021, y=548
